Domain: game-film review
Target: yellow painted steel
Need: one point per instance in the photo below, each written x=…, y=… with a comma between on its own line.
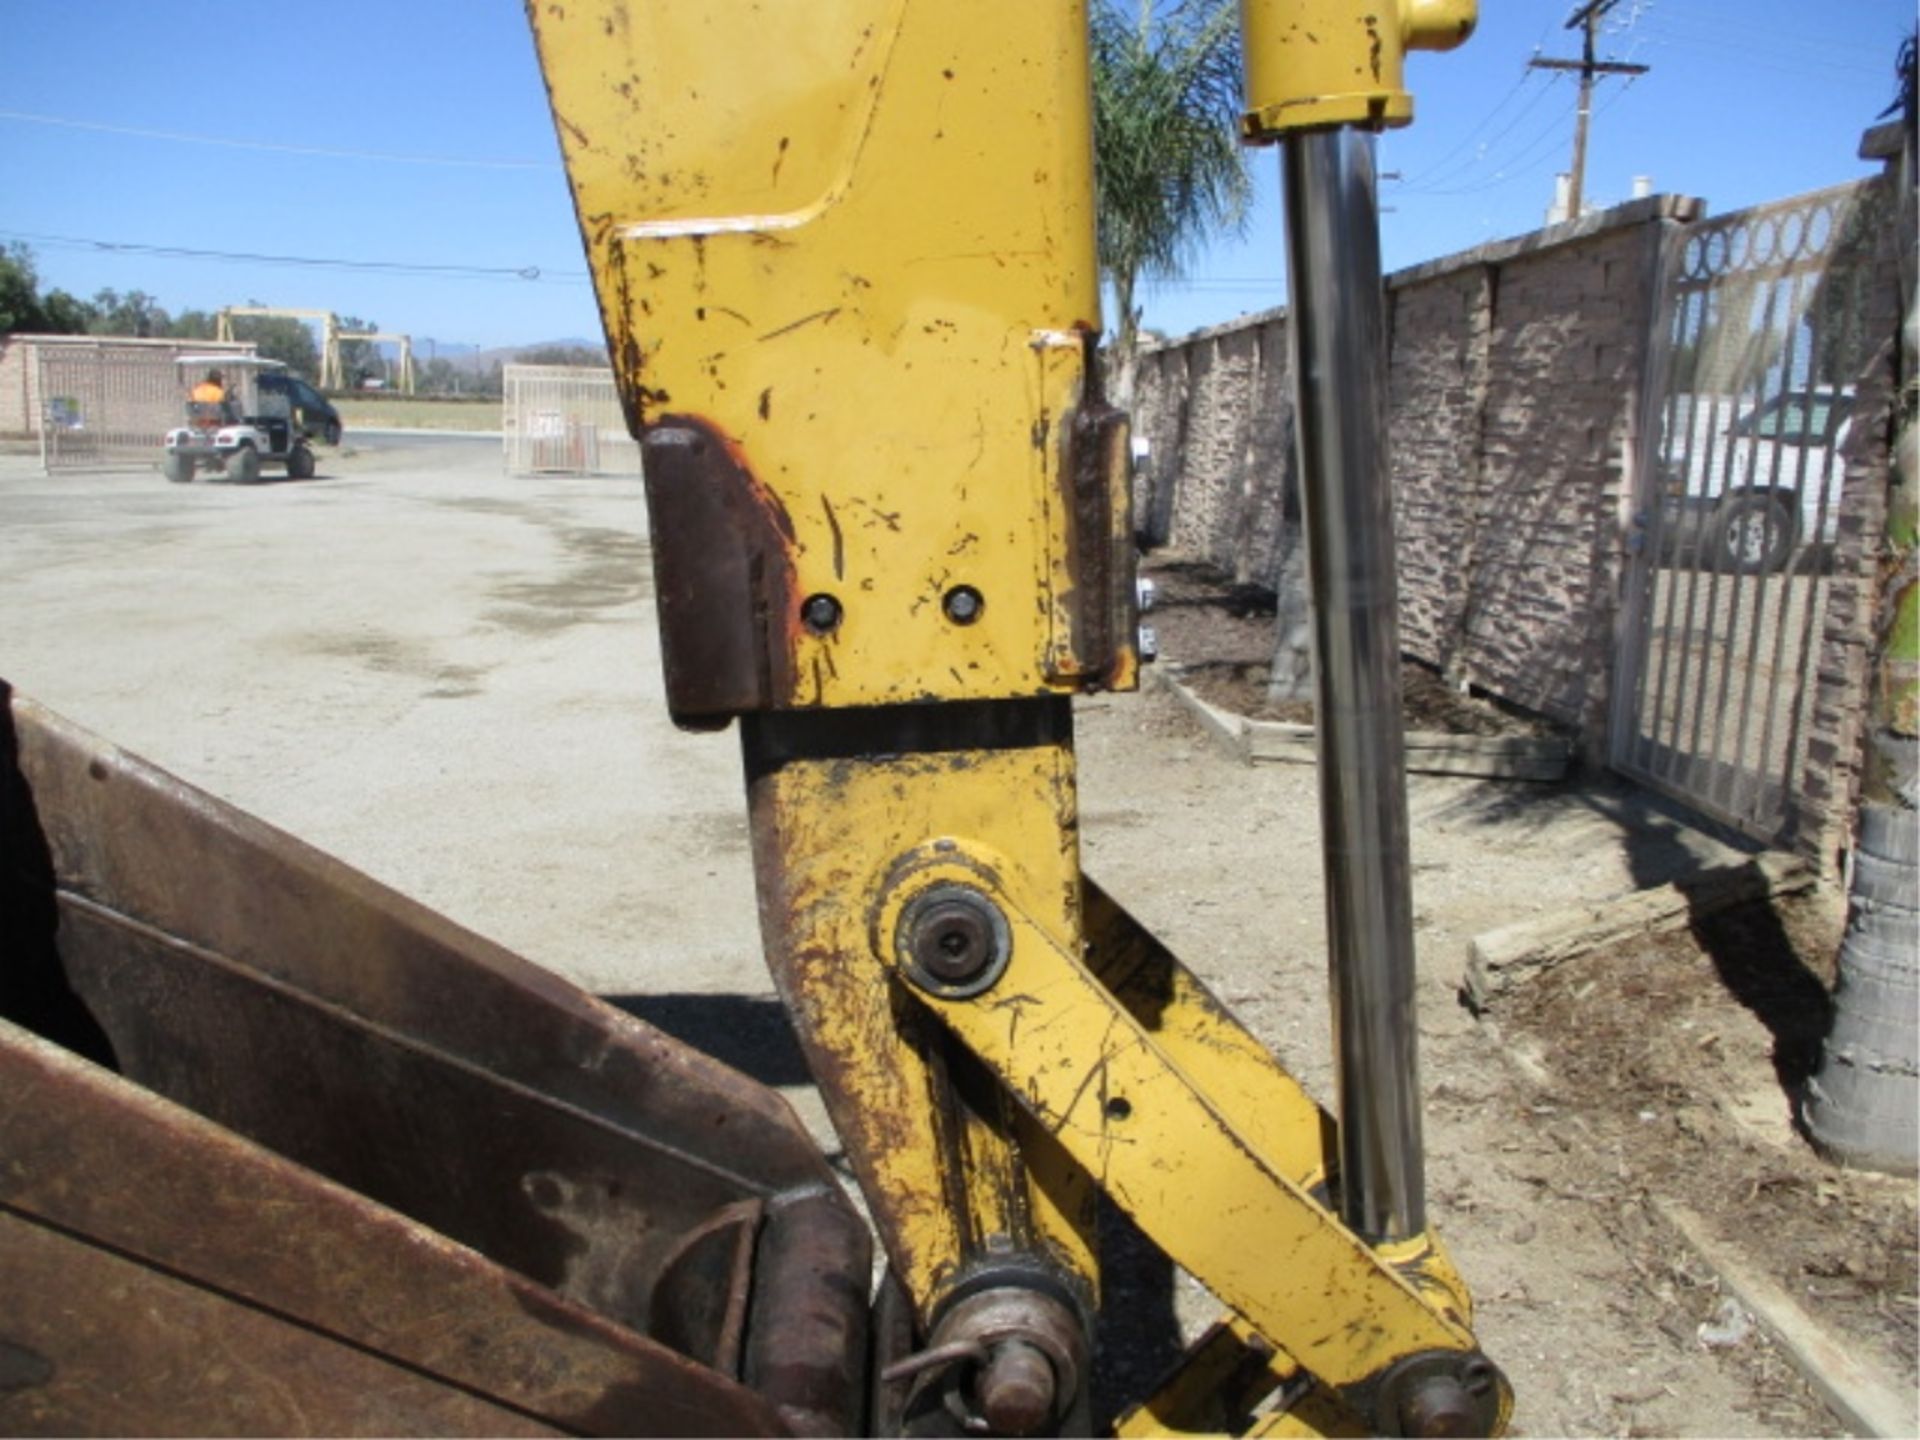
x=1222, y=1378
x=1315, y=1413
x=829, y=835
x=1202, y=1037
x=856, y=237
x=1241, y=1078
x=1232, y=1381
x=1313, y=63
x=1190, y=1124
x=852, y=241
x=1152, y=1138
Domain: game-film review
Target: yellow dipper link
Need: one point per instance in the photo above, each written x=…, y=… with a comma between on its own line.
x=1313, y=63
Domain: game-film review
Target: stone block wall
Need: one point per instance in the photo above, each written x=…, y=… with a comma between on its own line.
x=1524, y=387
x=1515, y=386
x=19, y=404
x=1221, y=402
x=1436, y=392
x=1531, y=615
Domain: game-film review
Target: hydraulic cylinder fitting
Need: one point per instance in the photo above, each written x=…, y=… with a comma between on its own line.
x=1314, y=63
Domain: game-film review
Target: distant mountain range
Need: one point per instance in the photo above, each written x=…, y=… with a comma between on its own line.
x=468, y=358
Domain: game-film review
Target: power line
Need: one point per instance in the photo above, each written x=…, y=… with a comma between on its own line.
x=390, y=267
x=1514, y=165
x=1446, y=160
x=1847, y=47
x=1485, y=120
x=1586, y=19
x=230, y=143
x=1743, y=51
x=1521, y=165
x=1443, y=174
x=1221, y=282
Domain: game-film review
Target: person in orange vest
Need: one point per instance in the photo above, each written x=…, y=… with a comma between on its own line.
x=213, y=391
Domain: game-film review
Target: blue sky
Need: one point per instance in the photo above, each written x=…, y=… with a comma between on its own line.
x=416, y=131
x=1744, y=101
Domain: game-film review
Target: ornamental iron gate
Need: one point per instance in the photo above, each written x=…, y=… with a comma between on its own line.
x=1763, y=327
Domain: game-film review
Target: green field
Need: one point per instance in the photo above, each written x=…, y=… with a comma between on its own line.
x=398, y=412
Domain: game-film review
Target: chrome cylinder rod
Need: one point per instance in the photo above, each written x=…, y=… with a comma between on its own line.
x=1337, y=325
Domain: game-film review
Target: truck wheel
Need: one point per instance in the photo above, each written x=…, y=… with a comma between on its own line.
x=1752, y=535
x=300, y=463
x=244, y=467
x=177, y=467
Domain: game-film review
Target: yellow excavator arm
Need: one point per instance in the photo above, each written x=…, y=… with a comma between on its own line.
x=844, y=253
x=283, y=1152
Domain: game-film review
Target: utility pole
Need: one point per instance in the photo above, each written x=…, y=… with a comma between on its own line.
x=1587, y=20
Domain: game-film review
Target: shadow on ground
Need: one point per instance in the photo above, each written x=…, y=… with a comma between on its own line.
x=1764, y=965
x=1661, y=840
x=1754, y=953
x=753, y=1034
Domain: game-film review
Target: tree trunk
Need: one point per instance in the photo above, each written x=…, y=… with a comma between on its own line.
x=1291, y=675
x=1126, y=341
x=1863, y=1106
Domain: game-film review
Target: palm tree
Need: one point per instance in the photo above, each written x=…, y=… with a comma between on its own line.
x=1167, y=162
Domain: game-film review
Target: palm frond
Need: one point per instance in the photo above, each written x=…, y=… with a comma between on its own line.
x=1167, y=162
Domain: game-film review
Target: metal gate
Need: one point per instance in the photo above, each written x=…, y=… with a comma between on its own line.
x=107, y=403
x=1764, y=333
x=565, y=420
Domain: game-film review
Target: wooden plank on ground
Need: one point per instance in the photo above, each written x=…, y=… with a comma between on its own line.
x=1499, y=959
x=1223, y=727
x=1493, y=757
x=1864, y=1397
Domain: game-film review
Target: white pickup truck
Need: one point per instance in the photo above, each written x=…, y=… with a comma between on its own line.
x=1748, y=486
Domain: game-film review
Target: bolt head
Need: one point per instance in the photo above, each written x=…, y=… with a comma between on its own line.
x=963, y=604
x=1439, y=1407
x=1015, y=1389
x=820, y=613
x=952, y=941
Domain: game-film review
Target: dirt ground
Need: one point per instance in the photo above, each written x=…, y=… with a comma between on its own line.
x=401, y=412
x=450, y=678
x=1222, y=634
x=1671, y=1053
x=1649, y=1074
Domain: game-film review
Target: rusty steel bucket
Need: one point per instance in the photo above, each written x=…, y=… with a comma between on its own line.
x=283, y=1152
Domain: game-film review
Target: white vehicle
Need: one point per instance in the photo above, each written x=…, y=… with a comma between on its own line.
x=1749, y=486
x=251, y=427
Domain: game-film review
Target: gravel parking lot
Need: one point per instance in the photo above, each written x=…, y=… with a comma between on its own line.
x=445, y=676
x=449, y=678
